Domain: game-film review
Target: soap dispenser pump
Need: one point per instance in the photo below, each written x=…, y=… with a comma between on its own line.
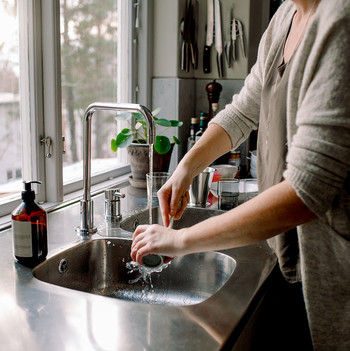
x=29, y=229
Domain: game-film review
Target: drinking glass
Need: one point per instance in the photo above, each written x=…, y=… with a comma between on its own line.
x=155, y=181
x=228, y=192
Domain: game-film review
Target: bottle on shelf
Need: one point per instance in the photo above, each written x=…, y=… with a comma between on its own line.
x=193, y=130
x=235, y=160
x=29, y=229
x=203, y=124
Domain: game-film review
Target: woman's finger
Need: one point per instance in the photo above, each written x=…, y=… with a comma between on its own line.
x=139, y=230
x=164, y=196
x=182, y=205
x=142, y=252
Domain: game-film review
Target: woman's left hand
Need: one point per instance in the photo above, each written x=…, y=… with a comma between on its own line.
x=155, y=239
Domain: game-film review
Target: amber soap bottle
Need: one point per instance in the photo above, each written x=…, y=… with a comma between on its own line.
x=29, y=229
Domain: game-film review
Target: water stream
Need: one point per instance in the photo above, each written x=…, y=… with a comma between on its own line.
x=145, y=271
x=150, y=184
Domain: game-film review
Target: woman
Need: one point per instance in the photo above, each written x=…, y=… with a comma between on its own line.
x=298, y=93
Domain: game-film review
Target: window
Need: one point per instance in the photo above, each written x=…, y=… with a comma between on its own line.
x=56, y=58
x=10, y=135
x=89, y=73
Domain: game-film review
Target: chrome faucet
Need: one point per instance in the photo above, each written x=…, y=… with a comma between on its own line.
x=86, y=204
x=112, y=205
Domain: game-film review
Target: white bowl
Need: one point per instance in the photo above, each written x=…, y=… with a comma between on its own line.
x=226, y=171
x=222, y=171
x=253, y=164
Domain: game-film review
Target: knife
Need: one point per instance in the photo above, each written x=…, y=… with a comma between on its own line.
x=218, y=38
x=209, y=36
x=234, y=38
x=186, y=38
x=194, y=47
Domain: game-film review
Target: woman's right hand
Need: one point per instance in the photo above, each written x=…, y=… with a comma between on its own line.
x=174, y=196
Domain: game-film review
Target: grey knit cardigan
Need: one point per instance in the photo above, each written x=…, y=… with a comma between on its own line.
x=318, y=160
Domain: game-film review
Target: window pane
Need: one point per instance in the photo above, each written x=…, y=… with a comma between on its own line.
x=89, y=44
x=10, y=135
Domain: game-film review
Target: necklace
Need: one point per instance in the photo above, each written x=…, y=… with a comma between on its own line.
x=302, y=32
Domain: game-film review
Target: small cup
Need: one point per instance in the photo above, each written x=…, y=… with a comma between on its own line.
x=228, y=192
x=250, y=189
x=157, y=180
x=200, y=187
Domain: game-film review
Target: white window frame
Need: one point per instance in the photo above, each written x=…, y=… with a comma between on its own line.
x=40, y=96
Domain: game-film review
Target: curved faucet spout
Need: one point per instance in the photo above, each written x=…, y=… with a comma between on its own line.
x=86, y=204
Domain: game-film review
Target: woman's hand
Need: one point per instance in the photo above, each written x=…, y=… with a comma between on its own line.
x=174, y=196
x=155, y=239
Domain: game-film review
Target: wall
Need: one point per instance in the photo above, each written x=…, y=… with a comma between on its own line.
x=182, y=95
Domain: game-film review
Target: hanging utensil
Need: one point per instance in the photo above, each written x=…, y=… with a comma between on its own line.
x=240, y=36
x=195, y=19
x=234, y=38
x=228, y=47
x=218, y=38
x=209, y=36
x=185, y=27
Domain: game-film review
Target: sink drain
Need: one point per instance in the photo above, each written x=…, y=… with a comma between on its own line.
x=63, y=266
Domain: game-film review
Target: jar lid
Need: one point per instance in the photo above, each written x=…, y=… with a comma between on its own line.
x=194, y=120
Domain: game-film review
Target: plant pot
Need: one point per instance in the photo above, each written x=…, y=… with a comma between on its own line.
x=139, y=162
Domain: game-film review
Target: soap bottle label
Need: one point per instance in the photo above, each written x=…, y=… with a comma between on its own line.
x=22, y=238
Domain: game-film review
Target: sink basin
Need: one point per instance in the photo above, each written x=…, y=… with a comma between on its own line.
x=98, y=266
x=191, y=216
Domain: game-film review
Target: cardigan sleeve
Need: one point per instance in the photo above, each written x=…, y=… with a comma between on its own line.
x=318, y=161
x=241, y=116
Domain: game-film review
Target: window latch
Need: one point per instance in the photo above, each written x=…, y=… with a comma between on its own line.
x=137, y=20
x=48, y=143
x=64, y=144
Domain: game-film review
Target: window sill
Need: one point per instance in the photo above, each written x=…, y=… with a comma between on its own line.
x=71, y=198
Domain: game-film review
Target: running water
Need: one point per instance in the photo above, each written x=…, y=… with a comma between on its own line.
x=150, y=184
x=145, y=271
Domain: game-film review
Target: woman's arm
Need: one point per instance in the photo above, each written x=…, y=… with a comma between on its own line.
x=230, y=127
x=274, y=211
x=213, y=143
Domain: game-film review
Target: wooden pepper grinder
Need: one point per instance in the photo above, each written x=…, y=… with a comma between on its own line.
x=213, y=90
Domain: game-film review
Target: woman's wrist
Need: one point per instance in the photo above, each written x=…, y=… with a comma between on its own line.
x=182, y=244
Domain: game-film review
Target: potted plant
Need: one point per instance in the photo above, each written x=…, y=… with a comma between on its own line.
x=135, y=140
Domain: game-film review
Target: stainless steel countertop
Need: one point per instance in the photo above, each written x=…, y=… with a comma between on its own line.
x=38, y=316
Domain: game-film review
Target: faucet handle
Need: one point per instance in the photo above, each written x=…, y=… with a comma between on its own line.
x=118, y=194
x=112, y=205
x=113, y=195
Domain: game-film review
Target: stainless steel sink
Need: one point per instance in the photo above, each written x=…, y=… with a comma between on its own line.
x=98, y=266
x=191, y=216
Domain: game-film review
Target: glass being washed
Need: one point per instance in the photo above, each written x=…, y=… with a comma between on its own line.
x=155, y=181
x=228, y=192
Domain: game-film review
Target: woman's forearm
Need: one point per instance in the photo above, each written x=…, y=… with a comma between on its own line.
x=274, y=211
x=203, y=153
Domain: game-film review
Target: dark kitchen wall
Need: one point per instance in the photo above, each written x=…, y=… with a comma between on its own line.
x=182, y=95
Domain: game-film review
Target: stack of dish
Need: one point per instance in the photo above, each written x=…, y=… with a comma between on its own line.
x=253, y=167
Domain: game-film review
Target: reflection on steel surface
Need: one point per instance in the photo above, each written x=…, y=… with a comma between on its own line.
x=99, y=267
